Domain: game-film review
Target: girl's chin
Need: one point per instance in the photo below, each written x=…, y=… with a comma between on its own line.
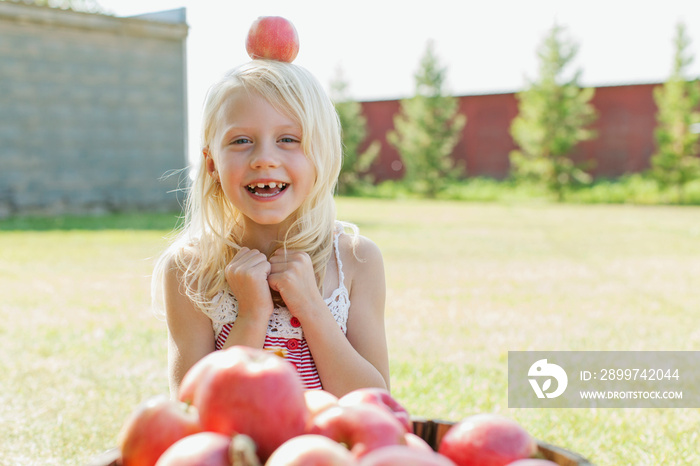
x=268, y=221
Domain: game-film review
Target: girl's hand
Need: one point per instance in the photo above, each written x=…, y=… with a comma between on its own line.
x=247, y=276
x=292, y=275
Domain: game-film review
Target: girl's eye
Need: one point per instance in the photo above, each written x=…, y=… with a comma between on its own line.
x=288, y=140
x=241, y=141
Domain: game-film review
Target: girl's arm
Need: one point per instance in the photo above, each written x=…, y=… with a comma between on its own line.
x=246, y=275
x=190, y=332
x=359, y=359
x=366, y=331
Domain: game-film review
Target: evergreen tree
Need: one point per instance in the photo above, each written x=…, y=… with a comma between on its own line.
x=427, y=129
x=553, y=115
x=354, y=174
x=676, y=160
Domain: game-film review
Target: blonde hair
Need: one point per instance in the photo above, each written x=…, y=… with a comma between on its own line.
x=208, y=242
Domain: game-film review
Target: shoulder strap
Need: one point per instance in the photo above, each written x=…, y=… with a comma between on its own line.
x=336, y=246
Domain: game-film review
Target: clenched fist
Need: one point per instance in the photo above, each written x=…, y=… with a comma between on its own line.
x=292, y=275
x=247, y=276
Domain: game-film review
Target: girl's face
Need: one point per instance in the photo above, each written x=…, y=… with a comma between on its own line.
x=257, y=157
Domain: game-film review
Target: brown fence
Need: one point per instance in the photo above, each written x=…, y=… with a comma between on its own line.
x=624, y=142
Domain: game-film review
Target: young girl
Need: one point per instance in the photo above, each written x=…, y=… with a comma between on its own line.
x=261, y=260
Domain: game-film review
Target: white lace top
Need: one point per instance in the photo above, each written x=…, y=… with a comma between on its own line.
x=285, y=336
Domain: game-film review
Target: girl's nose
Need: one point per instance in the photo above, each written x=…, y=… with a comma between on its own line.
x=264, y=156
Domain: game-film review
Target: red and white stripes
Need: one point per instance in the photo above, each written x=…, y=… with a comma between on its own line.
x=294, y=350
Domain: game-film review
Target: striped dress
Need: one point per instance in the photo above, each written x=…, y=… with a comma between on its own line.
x=285, y=337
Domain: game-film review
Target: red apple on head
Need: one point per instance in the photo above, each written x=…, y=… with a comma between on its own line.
x=487, y=440
x=311, y=450
x=204, y=448
x=272, y=38
x=153, y=427
x=254, y=392
x=362, y=427
x=404, y=456
x=379, y=397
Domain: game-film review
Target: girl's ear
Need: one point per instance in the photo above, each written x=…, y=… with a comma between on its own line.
x=209, y=164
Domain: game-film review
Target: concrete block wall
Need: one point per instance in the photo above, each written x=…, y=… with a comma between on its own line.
x=92, y=111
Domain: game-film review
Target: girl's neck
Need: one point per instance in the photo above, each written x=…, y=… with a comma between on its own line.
x=264, y=238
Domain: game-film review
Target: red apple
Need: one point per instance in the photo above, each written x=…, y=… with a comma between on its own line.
x=254, y=392
x=272, y=38
x=362, y=427
x=379, y=397
x=192, y=380
x=414, y=441
x=487, y=440
x=204, y=448
x=318, y=400
x=533, y=462
x=405, y=456
x=156, y=424
x=311, y=450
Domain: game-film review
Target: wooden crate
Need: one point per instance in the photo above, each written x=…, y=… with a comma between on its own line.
x=429, y=430
x=432, y=432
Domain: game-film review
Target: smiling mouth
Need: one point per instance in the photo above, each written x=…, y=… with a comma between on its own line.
x=267, y=189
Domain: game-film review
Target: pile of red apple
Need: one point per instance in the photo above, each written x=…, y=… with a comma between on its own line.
x=245, y=406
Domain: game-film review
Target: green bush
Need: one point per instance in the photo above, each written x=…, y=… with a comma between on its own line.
x=638, y=188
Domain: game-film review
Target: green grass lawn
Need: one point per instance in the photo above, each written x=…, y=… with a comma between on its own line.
x=466, y=283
